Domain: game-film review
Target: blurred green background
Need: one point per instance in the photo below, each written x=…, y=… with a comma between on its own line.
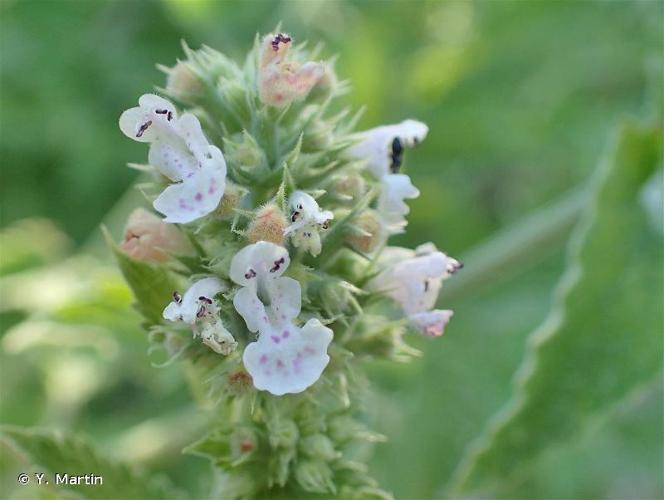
x=520, y=98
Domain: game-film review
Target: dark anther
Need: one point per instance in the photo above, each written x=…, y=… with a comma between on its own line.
x=279, y=39
x=277, y=265
x=308, y=235
x=325, y=224
x=426, y=285
x=396, y=155
x=205, y=299
x=250, y=274
x=201, y=311
x=161, y=111
x=299, y=207
x=294, y=216
x=177, y=298
x=143, y=128
x=169, y=116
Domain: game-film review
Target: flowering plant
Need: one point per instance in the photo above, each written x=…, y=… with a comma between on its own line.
x=276, y=216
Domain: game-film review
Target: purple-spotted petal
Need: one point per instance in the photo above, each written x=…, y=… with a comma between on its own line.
x=196, y=196
x=250, y=307
x=266, y=298
x=288, y=359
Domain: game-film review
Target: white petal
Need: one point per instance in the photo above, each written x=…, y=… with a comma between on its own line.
x=171, y=158
x=307, y=209
x=288, y=359
x=285, y=299
x=395, y=188
x=189, y=129
x=262, y=257
x=173, y=312
x=249, y=306
x=196, y=196
x=431, y=323
x=413, y=282
x=376, y=144
x=186, y=310
x=153, y=102
x=148, y=121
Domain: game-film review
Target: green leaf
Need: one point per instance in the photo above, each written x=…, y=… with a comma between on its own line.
x=153, y=285
x=589, y=354
x=54, y=453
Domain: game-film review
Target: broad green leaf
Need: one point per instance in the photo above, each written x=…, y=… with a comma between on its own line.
x=52, y=453
x=152, y=284
x=603, y=336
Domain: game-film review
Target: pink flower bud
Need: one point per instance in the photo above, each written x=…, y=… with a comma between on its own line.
x=281, y=82
x=149, y=239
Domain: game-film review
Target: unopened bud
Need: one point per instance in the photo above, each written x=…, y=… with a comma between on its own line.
x=182, y=82
x=282, y=81
x=244, y=442
x=368, y=232
x=149, y=239
x=229, y=201
x=318, y=446
x=343, y=428
x=268, y=225
x=239, y=382
x=244, y=152
x=314, y=476
x=327, y=85
x=349, y=186
x=283, y=432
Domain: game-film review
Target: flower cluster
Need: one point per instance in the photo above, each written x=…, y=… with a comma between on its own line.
x=282, y=239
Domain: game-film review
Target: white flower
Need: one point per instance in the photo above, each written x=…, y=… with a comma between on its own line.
x=307, y=219
x=413, y=279
x=288, y=359
x=265, y=297
x=382, y=149
x=281, y=81
x=394, y=189
x=198, y=308
x=285, y=358
x=180, y=152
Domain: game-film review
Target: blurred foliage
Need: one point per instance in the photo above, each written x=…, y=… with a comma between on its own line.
x=519, y=96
